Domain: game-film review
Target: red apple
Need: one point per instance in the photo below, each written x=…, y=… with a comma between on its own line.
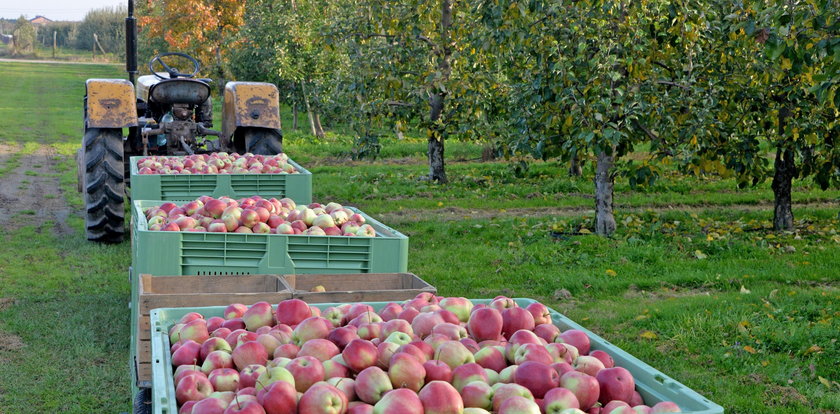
x=617, y=407
x=278, y=398
x=519, y=405
x=586, y=388
x=259, y=314
x=577, y=338
x=249, y=353
x=292, y=311
x=540, y=313
x=547, y=331
x=371, y=384
x=224, y=379
x=492, y=358
x=485, y=324
x=440, y=397
x=514, y=319
x=665, y=407
x=248, y=376
x=558, y=399
x=478, y=394
x=342, y=336
x=187, y=354
x=537, y=377
x=405, y=371
x=322, y=349
x=604, y=357
x=616, y=384
x=360, y=354
x=399, y=401
x=307, y=370
x=503, y=392
x=192, y=388
x=467, y=373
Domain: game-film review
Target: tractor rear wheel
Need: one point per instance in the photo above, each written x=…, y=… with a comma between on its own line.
x=104, y=187
x=263, y=141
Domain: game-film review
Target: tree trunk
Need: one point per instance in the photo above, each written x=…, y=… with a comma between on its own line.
x=785, y=170
x=294, y=117
x=783, y=173
x=308, y=109
x=319, y=130
x=437, y=171
x=604, y=218
x=575, y=169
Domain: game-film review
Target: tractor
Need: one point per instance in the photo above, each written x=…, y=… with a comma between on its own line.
x=167, y=112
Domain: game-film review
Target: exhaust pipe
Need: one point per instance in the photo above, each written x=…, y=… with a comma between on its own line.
x=131, y=43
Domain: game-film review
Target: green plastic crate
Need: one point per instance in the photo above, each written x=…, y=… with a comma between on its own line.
x=653, y=385
x=192, y=253
x=184, y=188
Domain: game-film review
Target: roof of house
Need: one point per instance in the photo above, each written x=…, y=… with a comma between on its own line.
x=40, y=20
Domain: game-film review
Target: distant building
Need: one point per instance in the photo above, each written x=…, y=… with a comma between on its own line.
x=40, y=20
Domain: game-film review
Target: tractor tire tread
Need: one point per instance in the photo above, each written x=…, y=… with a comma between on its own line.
x=261, y=141
x=104, y=185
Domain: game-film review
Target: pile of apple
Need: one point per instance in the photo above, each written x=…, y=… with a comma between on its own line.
x=428, y=355
x=258, y=215
x=217, y=163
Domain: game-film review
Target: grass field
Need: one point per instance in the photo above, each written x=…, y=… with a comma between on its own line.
x=693, y=282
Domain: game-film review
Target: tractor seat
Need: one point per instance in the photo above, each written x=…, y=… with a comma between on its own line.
x=180, y=90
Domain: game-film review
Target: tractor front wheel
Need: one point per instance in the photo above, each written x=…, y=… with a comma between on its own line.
x=263, y=141
x=104, y=187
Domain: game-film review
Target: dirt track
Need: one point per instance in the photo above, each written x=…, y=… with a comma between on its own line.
x=32, y=188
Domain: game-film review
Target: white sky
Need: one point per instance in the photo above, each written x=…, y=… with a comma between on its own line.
x=53, y=9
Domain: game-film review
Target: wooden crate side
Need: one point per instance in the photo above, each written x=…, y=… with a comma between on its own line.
x=359, y=296
x=209, y=284
x=144, y=360
x=352, y=282
x=149, y=302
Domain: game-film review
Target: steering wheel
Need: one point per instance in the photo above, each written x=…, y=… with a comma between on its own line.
x=173, y=72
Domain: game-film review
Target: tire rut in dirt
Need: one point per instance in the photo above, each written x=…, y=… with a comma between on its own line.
x=104, y=187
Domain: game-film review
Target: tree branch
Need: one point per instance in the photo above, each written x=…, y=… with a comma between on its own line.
x=662, y=65
x=662, y=82
x=398, y=103
x=427, y=41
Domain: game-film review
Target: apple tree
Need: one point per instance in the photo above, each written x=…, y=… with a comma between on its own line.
x=422, y=73
x=770, y=82
x=592, y=77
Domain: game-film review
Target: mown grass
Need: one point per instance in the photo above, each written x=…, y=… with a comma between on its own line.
x=708, y=295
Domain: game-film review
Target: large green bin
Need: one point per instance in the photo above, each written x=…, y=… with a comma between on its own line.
x=188, y=187
x=192, y=253
x=653, y=385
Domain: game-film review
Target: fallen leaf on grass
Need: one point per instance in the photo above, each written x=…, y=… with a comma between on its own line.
x=750, y=349
x=700, y=255
x=813, y=349
x=610, y=272
x=744, y=291
x=648, y=335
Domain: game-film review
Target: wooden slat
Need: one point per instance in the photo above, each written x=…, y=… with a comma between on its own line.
x=144, y=372
x=149, y=302
x=362, y=287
